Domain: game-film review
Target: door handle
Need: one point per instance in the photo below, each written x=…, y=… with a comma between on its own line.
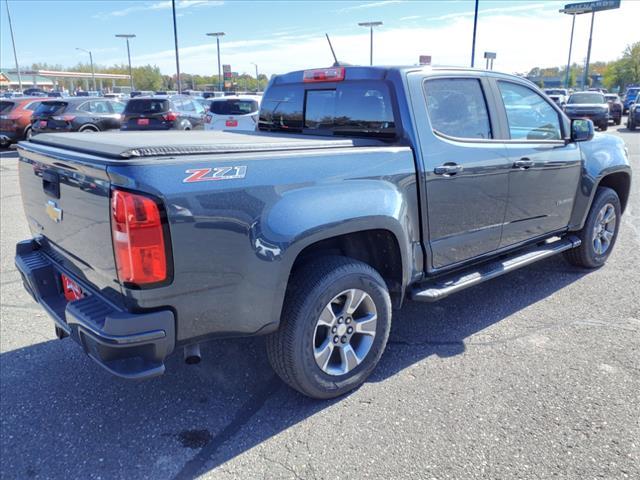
x=448, y=169
x=524, y=163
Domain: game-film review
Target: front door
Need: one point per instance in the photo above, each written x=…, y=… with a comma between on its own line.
x=545, y=170
x=466, y=168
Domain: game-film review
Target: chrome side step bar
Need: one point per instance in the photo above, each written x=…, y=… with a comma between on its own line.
x=441, y=288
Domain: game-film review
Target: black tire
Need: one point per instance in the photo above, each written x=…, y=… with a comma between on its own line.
x=88, y=129
x=28, y=133
x=618, y=121
x=631, y=125
x=604, y=126
x=585, y=255
x=312, y=287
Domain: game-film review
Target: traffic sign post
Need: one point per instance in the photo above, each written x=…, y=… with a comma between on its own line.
x=425, y=59
x=489, y=56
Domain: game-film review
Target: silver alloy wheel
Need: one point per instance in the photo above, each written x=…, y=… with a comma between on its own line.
x=604, y=229
x=345, y=332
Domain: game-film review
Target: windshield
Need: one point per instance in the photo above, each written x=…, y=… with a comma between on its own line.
x=50, y=108
x=6, y=107
x=358, y=108
x=587, y=98
x=147, y=105
x=234, y=107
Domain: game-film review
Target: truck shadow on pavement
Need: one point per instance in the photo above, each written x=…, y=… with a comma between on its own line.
x=62, y=416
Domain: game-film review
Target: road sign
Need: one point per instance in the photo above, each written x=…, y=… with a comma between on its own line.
x=227, y=75
x=491, y=55
x=588, y=7
x=226, y=68
x=425, y=59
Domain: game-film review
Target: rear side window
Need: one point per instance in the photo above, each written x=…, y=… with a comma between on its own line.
x=350, y=109
x=6, y=107
x=233, y=107
x=457, y=108
x=147, y=105
x=51, y=108
x=32, y=106
x=529, y=115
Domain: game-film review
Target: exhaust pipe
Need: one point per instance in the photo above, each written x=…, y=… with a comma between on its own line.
x=192, y=354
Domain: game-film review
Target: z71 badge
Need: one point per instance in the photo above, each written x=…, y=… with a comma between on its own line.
x=214, y=174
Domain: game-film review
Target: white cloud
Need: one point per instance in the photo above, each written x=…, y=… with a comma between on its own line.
x=410, y=17
x=162, y=5
x=365, y=6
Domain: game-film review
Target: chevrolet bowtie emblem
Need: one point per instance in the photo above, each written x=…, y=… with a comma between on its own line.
x=53, y=211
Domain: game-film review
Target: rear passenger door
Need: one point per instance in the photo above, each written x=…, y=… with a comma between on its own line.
x=466, y=169
x=545, y=170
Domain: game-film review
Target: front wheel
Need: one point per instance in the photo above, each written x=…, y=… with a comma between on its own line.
x=334, y=327
x=600, y=231
x=604, y=126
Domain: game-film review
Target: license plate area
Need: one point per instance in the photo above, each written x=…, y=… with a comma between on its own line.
x=231, y=123
x=143, y=121
x=72, y=291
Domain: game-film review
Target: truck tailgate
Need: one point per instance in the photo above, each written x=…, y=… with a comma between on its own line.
x=66, y=200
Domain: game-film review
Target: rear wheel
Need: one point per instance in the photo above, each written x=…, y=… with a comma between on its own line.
x=88, y=129
x=604, y=126
x=600, y=231
x=618, y=120
x=334, y=327
x=28, y=133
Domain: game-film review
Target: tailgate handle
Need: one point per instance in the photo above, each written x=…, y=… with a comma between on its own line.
x=51, y=184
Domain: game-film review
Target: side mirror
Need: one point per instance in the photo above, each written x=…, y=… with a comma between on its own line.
x=581, y=130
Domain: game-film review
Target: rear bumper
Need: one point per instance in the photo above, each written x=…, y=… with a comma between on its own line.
x=597, y=118
x=128, y=345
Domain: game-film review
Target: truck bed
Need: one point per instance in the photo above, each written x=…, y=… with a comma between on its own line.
x=130, y=145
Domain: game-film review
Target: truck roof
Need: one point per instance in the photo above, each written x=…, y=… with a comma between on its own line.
x=126, y=145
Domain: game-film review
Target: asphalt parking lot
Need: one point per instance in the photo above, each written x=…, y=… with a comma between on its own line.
x=533, y=375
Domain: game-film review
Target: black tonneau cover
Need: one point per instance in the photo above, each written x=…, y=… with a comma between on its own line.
x=156, y=143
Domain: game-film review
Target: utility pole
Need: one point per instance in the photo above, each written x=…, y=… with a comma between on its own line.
x=257, y=79
x=218, y=35
x=127, y=36
x=93, y=72
x=13, y=42
x=475, y=28
x=175, y=37
x=566, y=77
x=370, y=25
x=585, y=81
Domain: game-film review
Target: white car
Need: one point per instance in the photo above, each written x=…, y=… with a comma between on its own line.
x=238, y=112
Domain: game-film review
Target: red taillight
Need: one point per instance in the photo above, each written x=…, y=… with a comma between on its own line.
x=138, y=239
x=334, y=74
x=170, y=116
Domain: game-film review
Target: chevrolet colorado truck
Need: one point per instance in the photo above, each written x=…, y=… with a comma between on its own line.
x=361, y=187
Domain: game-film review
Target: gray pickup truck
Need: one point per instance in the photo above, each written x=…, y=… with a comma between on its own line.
x=361, y=187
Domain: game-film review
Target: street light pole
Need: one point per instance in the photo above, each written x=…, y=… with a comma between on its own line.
x=218, y=35
x=93, y=72
x=127, y=36
x=566, y=76
x=257, y=79
x=586, y=67
x=13, y=42
x=370, y=25
x=475, y=28
x=175, y=38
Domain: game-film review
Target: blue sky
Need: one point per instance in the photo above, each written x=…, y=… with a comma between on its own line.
x=287, y=35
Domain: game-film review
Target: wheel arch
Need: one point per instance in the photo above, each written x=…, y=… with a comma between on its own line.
x=620, y=182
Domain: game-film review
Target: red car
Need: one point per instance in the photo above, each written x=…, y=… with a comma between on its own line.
x=15, y=118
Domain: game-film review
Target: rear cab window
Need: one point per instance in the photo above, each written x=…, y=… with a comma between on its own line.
x=348, y=108
x=51, y=108
x=147, y=106
x=6, y=107
x=233, y=107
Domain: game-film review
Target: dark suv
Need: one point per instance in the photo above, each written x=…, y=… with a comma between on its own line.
x=170, y=112
x=82, y=114
x=591, y=105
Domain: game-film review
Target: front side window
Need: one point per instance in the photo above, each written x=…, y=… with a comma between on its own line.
x=117, y=107
x=529, y=115
x=457, y=108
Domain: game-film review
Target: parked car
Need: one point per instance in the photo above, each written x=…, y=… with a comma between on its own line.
x=12, y=94
x=57, y=94
x=238, y=113
x=205, y=102
x=212, y=94
x=77, y=114
x=35, y=92
x=141, y=93
x=363, y=186
x=15, y=119
x=633, y=120
x=560, y=100
x=172, y=112
x=591, y=105
x=630, y=97
x=556, y=91
x=615, y=107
